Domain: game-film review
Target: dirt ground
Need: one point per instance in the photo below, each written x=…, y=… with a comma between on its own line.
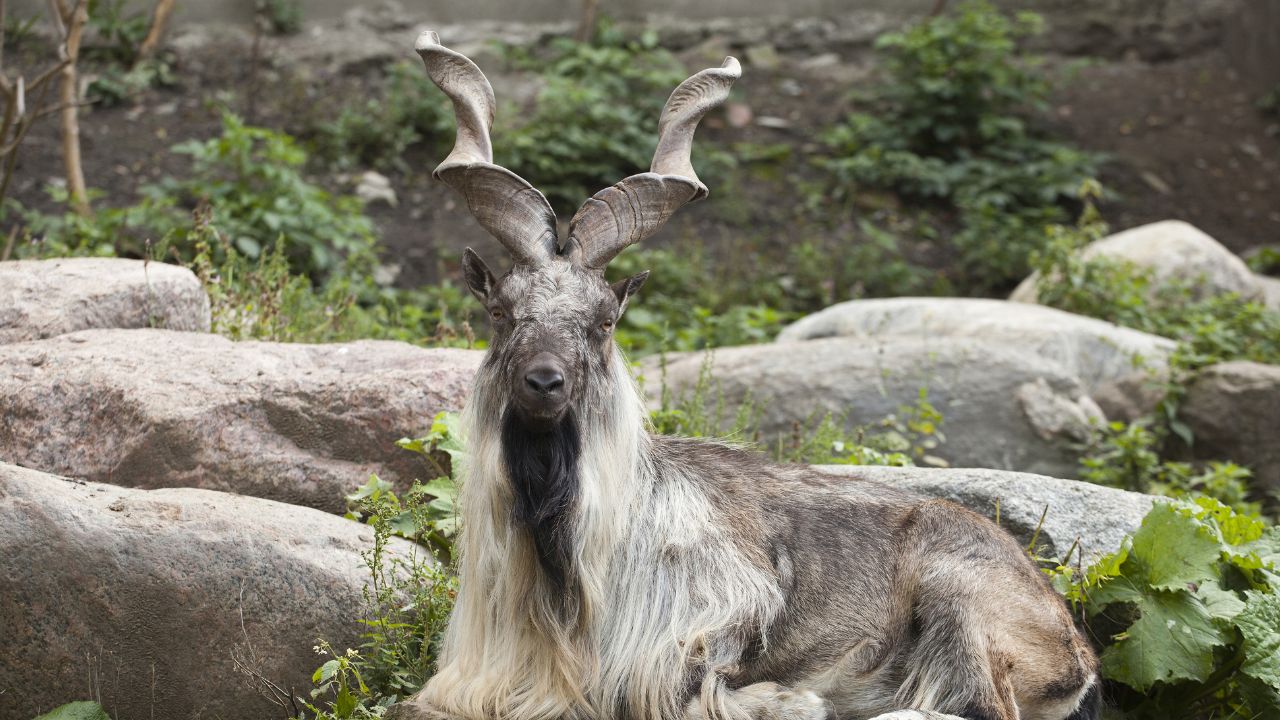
x=1184, y=138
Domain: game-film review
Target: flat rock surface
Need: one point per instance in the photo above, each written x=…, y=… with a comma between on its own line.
x=1002, y=407
x=149, y=600
x=44, y=298
x=1099, y=516
x=303, y=424
x=1094, y=350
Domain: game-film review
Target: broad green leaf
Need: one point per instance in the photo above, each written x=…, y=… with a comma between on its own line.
x=345, y=704
x=82, y=710
x=1173, y=550
x=1260, y=627
x=1172, y=640
x=1221, y=604
x=325, y=672
x=374, y=487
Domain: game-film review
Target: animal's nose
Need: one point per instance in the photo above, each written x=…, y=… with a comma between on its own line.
x=544, y=379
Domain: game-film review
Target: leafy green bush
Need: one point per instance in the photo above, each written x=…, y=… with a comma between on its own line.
x=949, y=131
x=680, y=308
x=280, y=17
x=116, y=34
x=1188, y=614
x=251, y=179
x=1210, y=329
x=595, y=120
x=377, y=133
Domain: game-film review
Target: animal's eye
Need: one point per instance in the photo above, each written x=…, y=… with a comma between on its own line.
x=607, y=326
x=496, y=314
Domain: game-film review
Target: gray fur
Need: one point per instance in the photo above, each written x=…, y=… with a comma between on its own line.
x=702, y=581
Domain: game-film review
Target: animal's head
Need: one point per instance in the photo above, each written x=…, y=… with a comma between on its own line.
x=553, y=314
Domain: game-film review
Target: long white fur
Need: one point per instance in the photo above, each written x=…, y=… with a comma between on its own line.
x=660, y=580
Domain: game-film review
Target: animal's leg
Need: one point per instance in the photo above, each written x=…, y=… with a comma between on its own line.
x=759, y=701
x=917, y=715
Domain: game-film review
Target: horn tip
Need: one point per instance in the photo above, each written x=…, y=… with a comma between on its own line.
x=426, y=40
x=732, y=65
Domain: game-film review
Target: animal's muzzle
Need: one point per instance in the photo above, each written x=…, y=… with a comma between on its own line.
x=542, y=394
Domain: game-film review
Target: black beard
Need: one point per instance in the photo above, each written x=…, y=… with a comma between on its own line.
x=542, y=465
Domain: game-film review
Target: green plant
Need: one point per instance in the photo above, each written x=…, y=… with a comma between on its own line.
x=377, y=133
x=280, y=17
x=898, y=440
x=950, y=131
x=1265, y=260
x=263, y=299
x=594, y=121
x=117, y=33
x=251, y=179
x=408, y=599
x=1127, y=456
x=1269, y=103
x=1188, y=614
x=115, y=85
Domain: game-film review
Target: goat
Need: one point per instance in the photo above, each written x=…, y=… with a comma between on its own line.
x=611, y=573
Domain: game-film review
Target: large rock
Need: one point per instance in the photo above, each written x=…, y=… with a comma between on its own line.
x=1003, y=407
x=1270, y=290
x=1098, y=516
x=1093, y=350
x=44, y=298
x=152, y=408
x=1172, y=250
x=1233, y=410
x=157, y=601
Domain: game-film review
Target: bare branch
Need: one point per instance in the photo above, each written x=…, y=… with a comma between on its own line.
x=159, y=20
x=69, y=53
x=587, y=21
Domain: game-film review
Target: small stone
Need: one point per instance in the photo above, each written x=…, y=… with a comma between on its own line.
x=763, y=56
x=738, y=114
x=374, y=187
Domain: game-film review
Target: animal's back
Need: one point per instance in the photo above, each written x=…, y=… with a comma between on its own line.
x=879, y=579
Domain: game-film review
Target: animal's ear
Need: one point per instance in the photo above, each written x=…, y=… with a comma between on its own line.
x=477, y=275
x=626, y=287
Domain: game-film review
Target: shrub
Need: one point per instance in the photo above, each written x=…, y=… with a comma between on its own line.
x=950, y=132
x=280, y=17
x=595, y=120
x=377, y=133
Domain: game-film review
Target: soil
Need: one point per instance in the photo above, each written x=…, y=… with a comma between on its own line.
x=1184, y=137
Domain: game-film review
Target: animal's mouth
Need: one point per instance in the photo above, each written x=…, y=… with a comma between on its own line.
x=541, y=418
